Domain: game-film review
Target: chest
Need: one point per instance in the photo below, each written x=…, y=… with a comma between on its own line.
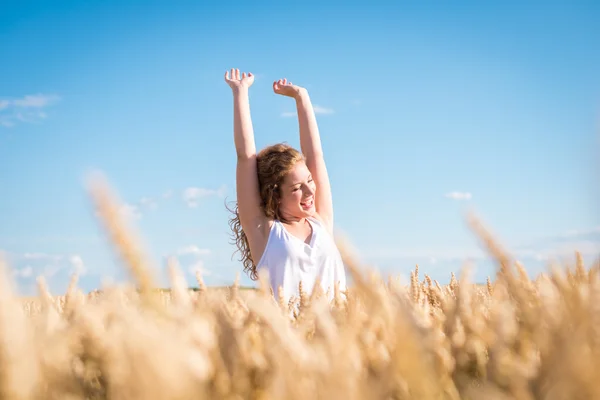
x=303, y=233
x=308, y=248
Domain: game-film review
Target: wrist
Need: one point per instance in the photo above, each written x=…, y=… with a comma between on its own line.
x=239, y=90
x=301, y=94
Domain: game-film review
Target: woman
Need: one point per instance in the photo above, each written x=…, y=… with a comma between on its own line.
x=284, y=217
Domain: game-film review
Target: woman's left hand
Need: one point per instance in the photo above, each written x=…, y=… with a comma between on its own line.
x=285, y=88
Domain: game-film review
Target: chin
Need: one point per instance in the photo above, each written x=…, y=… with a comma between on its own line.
x=310, y=212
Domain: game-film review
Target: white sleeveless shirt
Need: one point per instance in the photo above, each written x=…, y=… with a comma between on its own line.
x=290, y=260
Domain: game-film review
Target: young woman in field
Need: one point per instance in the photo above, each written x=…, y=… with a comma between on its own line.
x=284, y=216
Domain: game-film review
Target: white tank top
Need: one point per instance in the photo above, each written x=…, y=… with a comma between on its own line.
x=290, y=260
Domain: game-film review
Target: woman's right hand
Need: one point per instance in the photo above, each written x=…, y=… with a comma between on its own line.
x=236, y=82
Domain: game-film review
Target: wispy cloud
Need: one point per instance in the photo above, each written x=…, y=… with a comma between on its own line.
x=148, y=203
x=426, y=254
x=25, y=272
x=31, y=265
x=192, y=250
x=190, y=257
x=584, y=240
x=130, y=211
x=586, y=248
x=593, y=232
x=36, y=101
x=198, y=266
x=459, y=195
x=77, y=264
x=558, y=247
x=135, y=210
x=192, y=195
x=318, y=110
x=28, y=109
x=322, y=110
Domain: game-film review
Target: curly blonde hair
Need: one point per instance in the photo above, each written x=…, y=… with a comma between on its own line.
x=273, y=163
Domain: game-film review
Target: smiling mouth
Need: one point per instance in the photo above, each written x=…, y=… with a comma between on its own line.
x=308, y=203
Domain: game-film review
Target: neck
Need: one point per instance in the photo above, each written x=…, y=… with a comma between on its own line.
x=291, y=220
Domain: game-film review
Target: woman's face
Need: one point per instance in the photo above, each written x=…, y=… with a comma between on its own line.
x=298, y=193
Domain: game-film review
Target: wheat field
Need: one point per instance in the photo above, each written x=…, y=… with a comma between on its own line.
x=515, y=338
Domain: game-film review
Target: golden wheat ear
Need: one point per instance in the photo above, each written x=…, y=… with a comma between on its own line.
x=20, y=374
x=108, y=210
x=492, y=245
x=180, y=295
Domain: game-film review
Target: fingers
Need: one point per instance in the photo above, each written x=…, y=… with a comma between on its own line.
x=234, y=74
x=277, y=85
x=282, y=82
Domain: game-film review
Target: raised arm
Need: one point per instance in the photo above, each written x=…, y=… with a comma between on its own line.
x=310, y=143
x=251, y=216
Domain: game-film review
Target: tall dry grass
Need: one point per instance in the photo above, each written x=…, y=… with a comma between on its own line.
x=515, y=338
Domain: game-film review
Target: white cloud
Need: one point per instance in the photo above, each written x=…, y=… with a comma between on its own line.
x=33, y=264
x=191, y=258
x=198, y=266
x=6, y=122
x=587, y=248
x=41, y=256
x=25, y=272
x=192, y=249
x=28, y=109
x=135, y=210
x=322, y=110
x=429, y=254
x=130, y=211
x=459, y=195
x=561, y=247
x=192, y=195
x=564, y=245
x=317, y=109
x=77, y=264
x=574, y=233
x=36, y=101
x=148, y=203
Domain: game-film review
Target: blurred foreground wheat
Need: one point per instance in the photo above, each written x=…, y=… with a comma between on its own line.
x=383, y=339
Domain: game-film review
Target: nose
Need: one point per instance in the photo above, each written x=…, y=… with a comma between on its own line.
x=308, y=191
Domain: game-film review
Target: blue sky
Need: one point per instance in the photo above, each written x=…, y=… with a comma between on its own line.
x=426, y=110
